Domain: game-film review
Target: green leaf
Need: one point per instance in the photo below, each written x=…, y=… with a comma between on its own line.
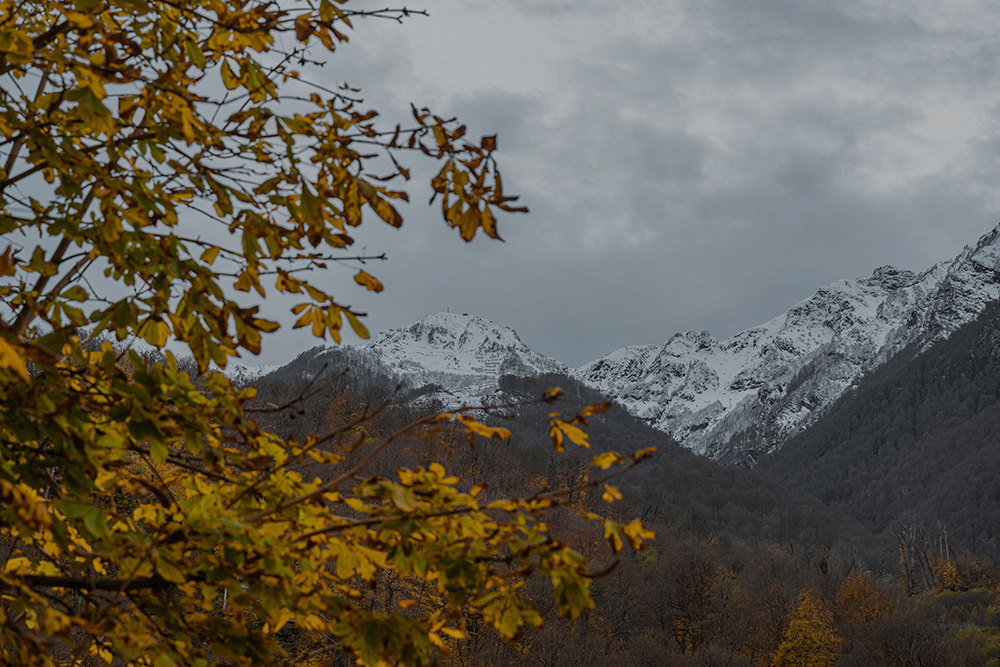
x=158, y=451
x=573, y=598
x=96, y=522
x=356, y=324
x=155, y=332
x=195, y=54
x=169, y=571
x=75, y=293
x=73, y=509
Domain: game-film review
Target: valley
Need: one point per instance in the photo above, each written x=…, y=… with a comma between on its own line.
x=844, y=448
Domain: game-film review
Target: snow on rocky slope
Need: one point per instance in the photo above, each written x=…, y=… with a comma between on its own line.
x=465, y=355
x=241, y=374
x=747, y=394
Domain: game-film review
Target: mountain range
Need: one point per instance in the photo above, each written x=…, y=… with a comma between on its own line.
x=734, y=399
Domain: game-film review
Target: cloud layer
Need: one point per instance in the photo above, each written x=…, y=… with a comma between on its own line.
x=694, y=164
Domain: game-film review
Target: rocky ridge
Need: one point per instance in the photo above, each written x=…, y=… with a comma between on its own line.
x=747, y=394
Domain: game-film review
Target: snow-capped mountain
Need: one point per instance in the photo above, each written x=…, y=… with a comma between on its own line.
x=463, y=354
x=729, y=399
x=242, y=374
x=755, y=389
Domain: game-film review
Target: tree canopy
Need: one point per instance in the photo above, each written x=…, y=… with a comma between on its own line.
x=165, y=168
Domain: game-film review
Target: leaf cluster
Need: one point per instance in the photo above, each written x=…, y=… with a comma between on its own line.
x=165, y=169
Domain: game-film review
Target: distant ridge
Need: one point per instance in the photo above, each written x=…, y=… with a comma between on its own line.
x=735, y=399
x=752, y=391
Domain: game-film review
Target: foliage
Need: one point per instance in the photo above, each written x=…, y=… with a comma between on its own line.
x=861, y=599
x=811, y=639
x=147, y=516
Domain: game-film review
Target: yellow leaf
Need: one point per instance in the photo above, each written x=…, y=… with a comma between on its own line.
x=606, y=460
x=169, y=571
x=490, y=224
x=267, y=326
x=612, y=536
x=229, y=80
x=366, y=280
x=210, y=254
x=404, y=499
x=505, y=505
x=644, y=453
x=316, y=294
x=595, y=408
x=577, y=435
x=468, y=223
x=635, y=533
x=11, y=358
x=305, y=319
x=144, y=513
x=318, y=323
x=312, y=622
x=187, y=127
x=78, y=20
x=482, y=429
x=557, y=438
x=19, y=565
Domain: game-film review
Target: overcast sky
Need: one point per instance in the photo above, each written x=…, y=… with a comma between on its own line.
x=689, y=165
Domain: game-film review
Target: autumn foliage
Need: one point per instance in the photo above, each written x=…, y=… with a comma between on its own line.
x=165, y=169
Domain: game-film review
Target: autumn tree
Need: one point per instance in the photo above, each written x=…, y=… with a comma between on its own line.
x=861, y=599
x=811, y=639
x=165, y=168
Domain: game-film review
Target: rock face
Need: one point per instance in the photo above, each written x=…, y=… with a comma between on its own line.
x=463, y=354
x=746, y=395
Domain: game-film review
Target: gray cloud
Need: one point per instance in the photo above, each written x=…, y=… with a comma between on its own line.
x=689, y=165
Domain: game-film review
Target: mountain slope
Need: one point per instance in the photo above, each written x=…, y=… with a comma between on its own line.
x=749, y=393
x=918, y=437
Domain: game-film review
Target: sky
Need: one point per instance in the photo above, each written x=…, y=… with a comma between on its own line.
x=688, y=164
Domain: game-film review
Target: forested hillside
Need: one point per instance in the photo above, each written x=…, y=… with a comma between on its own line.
x=916, y=442
x=676, y=486
x=742, y=572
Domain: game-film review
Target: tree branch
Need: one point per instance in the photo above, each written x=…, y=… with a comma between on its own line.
x=95, y=583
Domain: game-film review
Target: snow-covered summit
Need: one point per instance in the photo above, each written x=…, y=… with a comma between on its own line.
x=242, y=374
x=464, y=354
x=758, y=387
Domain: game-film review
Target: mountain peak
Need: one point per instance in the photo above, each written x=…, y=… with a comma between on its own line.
x=462, y=352
x=891, y=278
x=469, y=325
x=449, y=333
